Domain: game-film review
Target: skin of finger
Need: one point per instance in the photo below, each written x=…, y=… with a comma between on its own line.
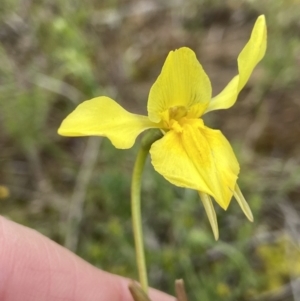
x=34, y=268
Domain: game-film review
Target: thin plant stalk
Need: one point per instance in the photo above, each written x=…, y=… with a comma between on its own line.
x=149, y=138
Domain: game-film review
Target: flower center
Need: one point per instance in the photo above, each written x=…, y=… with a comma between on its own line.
x=177, y=112
x=176, y=116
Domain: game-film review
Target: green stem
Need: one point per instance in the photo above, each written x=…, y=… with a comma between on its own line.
x=147, y=141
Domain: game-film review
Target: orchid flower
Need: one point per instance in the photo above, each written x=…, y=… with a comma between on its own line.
x=189, y=154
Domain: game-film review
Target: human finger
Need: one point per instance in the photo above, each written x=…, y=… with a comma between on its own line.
x=34, y=268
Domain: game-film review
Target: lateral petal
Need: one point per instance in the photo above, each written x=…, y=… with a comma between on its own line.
x=198, y=158
x=182, y=83
x=249, y=57
x=102, y=116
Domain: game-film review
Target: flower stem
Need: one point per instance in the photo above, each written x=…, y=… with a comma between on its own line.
x=150, y=137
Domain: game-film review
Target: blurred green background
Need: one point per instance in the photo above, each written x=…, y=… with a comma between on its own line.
x=55, y=54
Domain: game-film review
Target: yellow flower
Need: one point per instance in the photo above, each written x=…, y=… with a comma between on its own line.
x=189, y=154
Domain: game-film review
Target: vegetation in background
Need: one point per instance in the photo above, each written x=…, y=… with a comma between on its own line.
x=55, y=55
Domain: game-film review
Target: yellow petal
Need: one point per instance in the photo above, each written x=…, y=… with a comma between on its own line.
x=249, y=57
x=211, y=213
x=243, y=203
x=198, y=158
x=182, y=83
x=102, y=116
x=226, y=164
